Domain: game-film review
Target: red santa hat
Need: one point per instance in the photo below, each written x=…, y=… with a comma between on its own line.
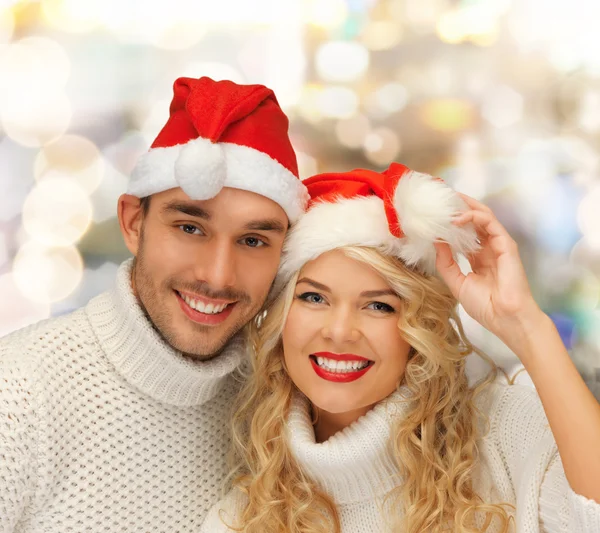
x=221, y=134
x=400, y=212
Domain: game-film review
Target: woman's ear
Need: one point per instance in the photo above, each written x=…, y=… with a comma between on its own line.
x=131, y=217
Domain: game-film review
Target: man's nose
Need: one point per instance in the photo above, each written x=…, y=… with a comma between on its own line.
x=217, y=264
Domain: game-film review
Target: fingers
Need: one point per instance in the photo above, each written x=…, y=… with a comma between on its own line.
x=474, y=204
x=484, y=222
x=448, y=268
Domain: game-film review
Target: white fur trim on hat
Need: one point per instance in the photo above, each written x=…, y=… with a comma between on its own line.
x=425, y=208
x=201, y=168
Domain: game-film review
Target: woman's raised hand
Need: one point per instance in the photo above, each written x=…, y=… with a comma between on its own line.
x=496, y=293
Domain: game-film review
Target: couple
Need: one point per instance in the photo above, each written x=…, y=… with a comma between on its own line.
x=355, y=415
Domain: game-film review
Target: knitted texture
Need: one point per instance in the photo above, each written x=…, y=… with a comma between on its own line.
x=519, y=465
x=127, y=441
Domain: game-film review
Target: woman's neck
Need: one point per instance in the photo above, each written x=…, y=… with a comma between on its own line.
x=328, y=424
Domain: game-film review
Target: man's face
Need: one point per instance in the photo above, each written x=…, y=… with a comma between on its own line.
x=204, y=268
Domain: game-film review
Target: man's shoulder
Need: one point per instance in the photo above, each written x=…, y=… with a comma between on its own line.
x=28, y=342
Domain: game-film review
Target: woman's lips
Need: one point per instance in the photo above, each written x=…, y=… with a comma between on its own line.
x=339, y=377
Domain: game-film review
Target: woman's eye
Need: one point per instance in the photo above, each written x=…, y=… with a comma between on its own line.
x=190, y=229
x=380, y=306
x=253, y=242
x=311, y=297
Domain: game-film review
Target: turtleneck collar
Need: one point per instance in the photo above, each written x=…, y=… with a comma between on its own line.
x=356, y=464
x=145, y=360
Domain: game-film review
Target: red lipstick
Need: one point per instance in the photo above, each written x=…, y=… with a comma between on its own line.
x=339, y=377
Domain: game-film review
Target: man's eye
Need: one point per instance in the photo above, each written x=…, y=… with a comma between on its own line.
x=311, y=297
x=253, y=242
x=191, y=230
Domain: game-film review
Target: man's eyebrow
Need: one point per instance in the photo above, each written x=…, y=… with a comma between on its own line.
x=270, y=224
x=187, y=209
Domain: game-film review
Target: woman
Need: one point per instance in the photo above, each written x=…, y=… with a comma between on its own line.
x=358, y=415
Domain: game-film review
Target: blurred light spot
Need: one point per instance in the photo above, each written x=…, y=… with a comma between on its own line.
x=72, y=16
x=502, y=107
x=71, y=157
x=448, y=115
x=420, y=14
x=338, y=102
x=3, y=249
x=308, y=106
x=341, y=61
x=555, y=206
x=589, y=112
x=16, y=178
x=307, y=165
x=33, y=107
x=327, y=14
x=588, y=216
x=104, y=198
x=477, y=22
x=57, y=212
x=7, y=25
x=32, y=67
x=471, y=171
x=35, y=123
x=16, y=310
x=47, y=274
x=124, y=154
x=155, y=120
x=382, y=35
x=381, y=146
x=180, y=36
x=586, y=254
x=215, y=70
x=391, y=97
x=351, y=132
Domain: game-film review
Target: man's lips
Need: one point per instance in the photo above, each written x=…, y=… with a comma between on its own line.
x=208, y=319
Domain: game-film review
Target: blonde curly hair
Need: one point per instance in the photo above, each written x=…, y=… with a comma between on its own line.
x=434, y=445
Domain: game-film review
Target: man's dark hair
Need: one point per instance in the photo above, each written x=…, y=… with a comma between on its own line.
x=145, y=203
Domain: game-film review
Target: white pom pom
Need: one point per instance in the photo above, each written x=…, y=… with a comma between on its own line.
x=425, y=208
x=200, y=169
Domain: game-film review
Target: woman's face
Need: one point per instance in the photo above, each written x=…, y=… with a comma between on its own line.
x=341, y=342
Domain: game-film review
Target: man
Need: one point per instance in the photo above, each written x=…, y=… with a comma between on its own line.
x=114, y=418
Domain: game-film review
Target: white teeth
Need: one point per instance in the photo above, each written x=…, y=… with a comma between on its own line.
x=209, y=309
x=341, y=366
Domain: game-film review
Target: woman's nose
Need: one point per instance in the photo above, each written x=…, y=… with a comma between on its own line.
x=341, y=326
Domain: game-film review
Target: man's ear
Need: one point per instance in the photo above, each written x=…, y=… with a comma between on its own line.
x=131, y=215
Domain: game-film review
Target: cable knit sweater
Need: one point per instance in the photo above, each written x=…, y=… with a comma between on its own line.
x=519, y=465
x=104, y=427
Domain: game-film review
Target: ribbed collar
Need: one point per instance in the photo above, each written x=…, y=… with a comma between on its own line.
x=356, y=464
x=145, y=360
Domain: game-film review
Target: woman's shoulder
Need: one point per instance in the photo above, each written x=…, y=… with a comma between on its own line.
x=223, y=516
x=513, y=412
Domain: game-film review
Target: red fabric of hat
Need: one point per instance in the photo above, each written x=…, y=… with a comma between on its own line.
x=222, y=134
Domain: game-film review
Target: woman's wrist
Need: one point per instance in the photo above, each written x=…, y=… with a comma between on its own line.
x=527, y=332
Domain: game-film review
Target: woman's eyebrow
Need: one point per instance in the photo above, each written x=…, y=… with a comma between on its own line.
x=315, y=284
x=364, y=294
x=384, y=292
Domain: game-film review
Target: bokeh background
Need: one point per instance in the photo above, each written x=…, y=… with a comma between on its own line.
x=499, y=97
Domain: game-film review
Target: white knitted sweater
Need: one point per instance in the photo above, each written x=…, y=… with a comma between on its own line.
x=519, y=465
x=105, y=428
